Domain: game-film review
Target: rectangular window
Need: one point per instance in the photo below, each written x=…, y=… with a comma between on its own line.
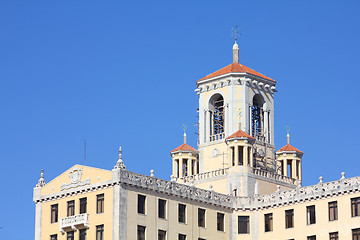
x=310, y=215
x=201, y=217
x=355, y=207
x=268, y=222
x=182, y=213
x=53, y=237
x=71, y=208
x=333, y=211
x=334, y=236
x=54, y=213
x=162, y=208
x=289, y=218
x=356, y=234
x=70, y=235
x=100, y=203
x=100, y=232
x=161, y=235
x=82, y=234
x=243, y=224
x=141, y=203
x=83, y=202
x=220, y=221
x=182, y=237
x=313, y=237
x=232, y=156
x=241, y=159
x=141, y=232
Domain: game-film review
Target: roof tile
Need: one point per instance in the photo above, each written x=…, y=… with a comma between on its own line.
x=239, y=134
x=184, y=147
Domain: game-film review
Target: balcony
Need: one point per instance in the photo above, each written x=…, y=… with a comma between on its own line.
x=74, y=222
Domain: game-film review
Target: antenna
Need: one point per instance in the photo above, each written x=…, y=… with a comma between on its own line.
x=85, y=152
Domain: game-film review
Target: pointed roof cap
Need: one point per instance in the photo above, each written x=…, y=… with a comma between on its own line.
x=236, y=68
x=239, y=134
x=289, y=148
x=184, y=148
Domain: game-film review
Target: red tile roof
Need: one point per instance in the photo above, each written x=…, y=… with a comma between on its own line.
x=289, y=148
x=235, y=68
x=239, y=134
x=184, y=147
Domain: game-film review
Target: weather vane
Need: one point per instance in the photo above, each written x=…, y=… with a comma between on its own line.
x=235, y=32
x=184, y=126
x=287, y=128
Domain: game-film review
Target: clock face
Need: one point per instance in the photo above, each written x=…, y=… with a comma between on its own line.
x=215, y=152
x=261, y=153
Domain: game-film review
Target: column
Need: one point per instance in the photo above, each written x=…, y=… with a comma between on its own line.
x=230, y=156
x=266, y=122
x=285, y=167
x=190, y=164
x=38, y=216
x=236, y=155
x=251, y=160
x=195, y=166
x=293, y=168
x=245, y=156
x=300, y=174
x=174, y=170
x=250, y=117
x=207, y=125
x=181, y=167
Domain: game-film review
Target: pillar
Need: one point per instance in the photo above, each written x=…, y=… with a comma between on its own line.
x=236, y=155
x=174, y=171
x=250, y=121
x=181, y=168
x=251, y=160
x=266, y=121
x=293, y=168
x=207, y=125
x=190, y=164
x=196, y=166
x=245, y=156
x=300, y=175
x=38, y=216
x=285, y=167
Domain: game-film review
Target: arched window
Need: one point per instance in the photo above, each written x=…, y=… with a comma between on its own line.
x=217, y=115
x=257, y=116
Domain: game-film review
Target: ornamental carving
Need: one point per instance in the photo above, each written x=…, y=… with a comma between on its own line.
x=75, y=179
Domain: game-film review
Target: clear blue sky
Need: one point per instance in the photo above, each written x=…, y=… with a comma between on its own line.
x=123, y=73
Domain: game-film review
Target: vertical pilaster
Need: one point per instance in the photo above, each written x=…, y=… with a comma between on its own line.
x=285, y=167
x=38, y=217
x=181, y=167
x=300, y=173
x=266, y=123
x=207, y=125
x=293, y=168
x=116, y=212
x=236, y=155
x=245, y=156
x=190, y=164
x=174, y=170
x=251, y=158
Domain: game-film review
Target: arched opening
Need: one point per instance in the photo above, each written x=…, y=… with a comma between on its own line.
x=257, y=116
x=217, y=117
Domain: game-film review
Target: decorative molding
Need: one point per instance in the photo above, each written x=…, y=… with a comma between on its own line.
x=75, y=179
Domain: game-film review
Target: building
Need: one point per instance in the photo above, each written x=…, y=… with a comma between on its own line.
x=234, y=186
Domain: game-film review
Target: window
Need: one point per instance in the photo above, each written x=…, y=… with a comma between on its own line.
x=100, y=203
x=243, y=224
x=356, y=234
x=310, y=215
x=182, y=213
x=162, y=209
x=182, y=237
x=257, y=116
x=241, y=155
x=217, y=115
x=100, y=232
x=141, y=204
x=220, y=221
x=71, y=208
x=313, y=237
x=268, y=222
x=355, y=207
x=201, y=217
x=54, y=213
x=333, y=211
x=53, y=237
x=161, y=235
x=289, y=218
x=140, y=232
x=82, y=234
x=334, y=236
x=70, y=235
x=83, y=205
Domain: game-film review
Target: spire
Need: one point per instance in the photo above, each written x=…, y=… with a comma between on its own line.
x=288, y=138
x=120, y=162
x=235, y=53
x=184, y=138
x=41, y=182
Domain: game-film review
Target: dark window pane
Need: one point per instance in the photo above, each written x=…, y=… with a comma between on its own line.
x=54, y=213
x=334, y=236
x=70, y=208
x=310, y=215
x=333, y=211
x=182, y=213
x=100, y=203
x=161, y=235
x=70, y=235
x=100, y=232
x=82, y=234
x=243, y=224
x=356, y=234
x=182, y=237
x=289, y=218
x=140, y=232
x=201, y=217
x=53, y=237
x=83, y=202
x=355, y=207
x=141, y=204
x=220, y=221
x=162, y=208
x=268, y=222
x=311, y=237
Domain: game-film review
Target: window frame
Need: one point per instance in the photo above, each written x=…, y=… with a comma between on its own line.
x=139, y=231
x=333, y=206
x=181, y=213
x=289, y=214
x=220, y=221
x=163, y=207
x=99, y=230
x=309, y=211
x=201, y=217
x=54, y=213
x=268, y=222
x=163, y=232
x=82, y=205
x=246, y=221
x=70, y=208
x=100, y=203
x=141, y=204
x=334, y=236
x=82, y=232
x=53, y=237
x=68, y=235
x=355, y=207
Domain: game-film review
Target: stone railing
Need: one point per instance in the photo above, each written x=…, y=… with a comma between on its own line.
x=174, y=188
x=74, y=221
x=215, y=137
x=273, y=175
x=200, y=176
x=301, y=194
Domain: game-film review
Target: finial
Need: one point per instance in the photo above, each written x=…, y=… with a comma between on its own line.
x=120, y=162
x=321, y=179
x=342, y=175
x=152, y=173
x=172, y=177
x=41, y=181
x=288, y=133
x=235, y=33
x=278, y=188
x=184, y=129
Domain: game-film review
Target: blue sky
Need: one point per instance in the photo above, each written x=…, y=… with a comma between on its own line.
x=123, y=73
